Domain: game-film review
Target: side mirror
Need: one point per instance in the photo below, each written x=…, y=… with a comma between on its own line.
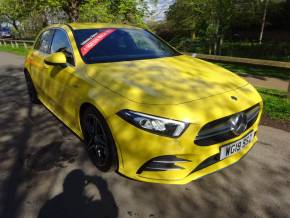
x=56, y=59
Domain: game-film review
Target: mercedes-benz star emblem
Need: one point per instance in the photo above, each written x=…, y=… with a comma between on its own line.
x=238, y=123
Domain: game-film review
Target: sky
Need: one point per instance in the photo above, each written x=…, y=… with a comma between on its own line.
x=160, y=9
x=163, y=5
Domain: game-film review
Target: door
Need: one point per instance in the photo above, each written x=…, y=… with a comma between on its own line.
x=62, y=82
x=37, y=66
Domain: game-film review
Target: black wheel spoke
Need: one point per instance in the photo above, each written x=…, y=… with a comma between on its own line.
x=98, y=139
x=91, y=145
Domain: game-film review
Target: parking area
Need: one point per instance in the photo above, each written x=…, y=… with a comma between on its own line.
x=45, y=171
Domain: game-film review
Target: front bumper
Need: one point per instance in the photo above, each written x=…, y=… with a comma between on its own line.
x=137, y=147
x=191, y=167
x=188, y=172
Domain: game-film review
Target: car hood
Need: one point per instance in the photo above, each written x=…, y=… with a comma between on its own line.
x=170, y=80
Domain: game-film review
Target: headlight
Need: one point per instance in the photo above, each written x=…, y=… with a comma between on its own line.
x=157, y=125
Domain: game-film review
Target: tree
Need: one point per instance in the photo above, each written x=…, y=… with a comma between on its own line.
x=12, y=11
x=218, y=15
x=29, y=16
x=70, y=7
x=266, y=2
x=208, y=19
x=116, y=11
x=130, y=11
x=95, y=11
x=183, y=16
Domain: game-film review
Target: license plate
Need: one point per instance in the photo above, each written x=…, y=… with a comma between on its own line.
x=233, y=148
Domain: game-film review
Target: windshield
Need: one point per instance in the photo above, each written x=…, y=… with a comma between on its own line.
x=109, y=45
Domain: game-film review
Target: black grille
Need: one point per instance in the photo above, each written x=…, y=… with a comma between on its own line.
x=219, y=130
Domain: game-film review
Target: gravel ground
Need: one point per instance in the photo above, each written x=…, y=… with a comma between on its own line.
x=267, y=82
x=45, y=172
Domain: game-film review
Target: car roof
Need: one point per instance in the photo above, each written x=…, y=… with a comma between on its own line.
x=78, y=26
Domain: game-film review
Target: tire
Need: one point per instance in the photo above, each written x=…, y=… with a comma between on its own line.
x=31, y=89
x=98, y=140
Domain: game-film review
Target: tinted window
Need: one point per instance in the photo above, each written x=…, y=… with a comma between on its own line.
x=107, y=45
x=44, y=41
x=60, y=43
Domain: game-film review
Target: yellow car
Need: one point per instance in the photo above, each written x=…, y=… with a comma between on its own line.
x=142, y=108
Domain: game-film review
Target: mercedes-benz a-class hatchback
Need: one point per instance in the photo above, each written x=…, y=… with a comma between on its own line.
x=142, y=108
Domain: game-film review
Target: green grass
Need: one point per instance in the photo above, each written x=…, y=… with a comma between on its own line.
x=276, y=104
x=243, y=69
x=19, y=51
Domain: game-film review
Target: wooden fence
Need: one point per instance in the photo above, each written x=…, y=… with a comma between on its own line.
x=258, y=62
x=16, y=43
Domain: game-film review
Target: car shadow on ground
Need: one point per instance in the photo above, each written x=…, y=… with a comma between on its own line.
x=35, y=147
x=15, y=128
x=78, y=198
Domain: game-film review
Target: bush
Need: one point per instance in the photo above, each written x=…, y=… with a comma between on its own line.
x=188, y=45
x=268, y=50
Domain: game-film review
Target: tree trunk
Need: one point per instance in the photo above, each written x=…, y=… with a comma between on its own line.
x=72, y=9
x=263, y=22
x=289, y=90
x=73, y=14
x=209, y=49
x=15, y=25
x=221, y=42
x=216, y=37
x=215, y=47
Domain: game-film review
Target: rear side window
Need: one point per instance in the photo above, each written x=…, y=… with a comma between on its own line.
x=60, y=43
x=44, y=41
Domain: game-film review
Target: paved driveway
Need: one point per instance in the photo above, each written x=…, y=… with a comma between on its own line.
x=43, y=168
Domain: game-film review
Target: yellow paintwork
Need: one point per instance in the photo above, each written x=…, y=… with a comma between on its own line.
x=99, y=25
x=56, y=58
x=180, y=88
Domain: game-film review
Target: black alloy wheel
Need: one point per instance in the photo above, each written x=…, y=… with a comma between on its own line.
x=98, y=139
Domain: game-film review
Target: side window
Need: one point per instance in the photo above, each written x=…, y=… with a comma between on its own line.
x=37, y=44
x=44, y=41
x=60, y=43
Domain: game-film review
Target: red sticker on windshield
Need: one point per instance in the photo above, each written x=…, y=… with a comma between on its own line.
x=96, y=40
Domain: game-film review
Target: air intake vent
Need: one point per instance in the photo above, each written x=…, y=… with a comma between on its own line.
x=163, y=163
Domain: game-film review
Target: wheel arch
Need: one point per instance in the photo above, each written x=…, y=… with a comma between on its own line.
x=86, y=105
